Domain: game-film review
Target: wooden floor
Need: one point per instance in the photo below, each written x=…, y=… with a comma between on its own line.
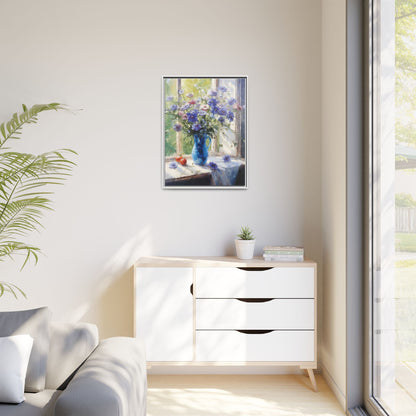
x=236, y=395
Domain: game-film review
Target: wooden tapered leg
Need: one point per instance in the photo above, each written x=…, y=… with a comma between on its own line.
x=312, y=378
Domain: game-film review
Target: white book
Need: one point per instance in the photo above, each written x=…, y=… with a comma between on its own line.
x=272, y=257
x=283, y=248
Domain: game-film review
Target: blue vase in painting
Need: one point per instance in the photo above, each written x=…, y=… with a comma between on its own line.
x=200, y=149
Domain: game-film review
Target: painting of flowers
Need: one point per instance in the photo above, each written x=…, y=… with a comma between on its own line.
x=204, y=132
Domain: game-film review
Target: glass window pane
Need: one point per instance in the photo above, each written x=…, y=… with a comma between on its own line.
x=394, y=206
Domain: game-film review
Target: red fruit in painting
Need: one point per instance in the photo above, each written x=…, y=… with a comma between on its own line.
x=178, y=158
x=182, y=161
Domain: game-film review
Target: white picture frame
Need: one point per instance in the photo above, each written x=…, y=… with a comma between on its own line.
x=204, y=132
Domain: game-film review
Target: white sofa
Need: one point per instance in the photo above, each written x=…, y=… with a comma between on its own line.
x=84, y=377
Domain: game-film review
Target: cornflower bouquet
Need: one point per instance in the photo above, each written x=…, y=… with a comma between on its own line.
x=207, y=114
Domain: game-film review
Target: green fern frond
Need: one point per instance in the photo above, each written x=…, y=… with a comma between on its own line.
x=11, y=248
x=34, y=170
x=25, y=182
x=12, y=128
x=13, y=289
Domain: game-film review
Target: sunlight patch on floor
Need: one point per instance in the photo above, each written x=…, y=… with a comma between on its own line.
x=239, y=396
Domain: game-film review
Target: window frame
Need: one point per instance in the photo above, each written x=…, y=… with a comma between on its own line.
x=371, y=80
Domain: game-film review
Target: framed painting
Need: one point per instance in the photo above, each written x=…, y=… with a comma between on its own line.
x=204, y=132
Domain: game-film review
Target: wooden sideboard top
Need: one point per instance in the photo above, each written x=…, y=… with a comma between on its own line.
x=229, y=261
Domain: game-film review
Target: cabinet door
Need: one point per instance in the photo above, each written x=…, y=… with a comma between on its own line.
x=164, y=312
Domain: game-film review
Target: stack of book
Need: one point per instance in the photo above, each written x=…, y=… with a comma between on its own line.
x=278, y=253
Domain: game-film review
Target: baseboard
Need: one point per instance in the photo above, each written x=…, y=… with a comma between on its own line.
x=357, y=411
x=179, y=370
x=334, y=387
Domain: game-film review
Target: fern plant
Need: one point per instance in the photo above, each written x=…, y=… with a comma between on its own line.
x=25, y=181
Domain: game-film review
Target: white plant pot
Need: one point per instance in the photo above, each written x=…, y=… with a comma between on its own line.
x=245, y=249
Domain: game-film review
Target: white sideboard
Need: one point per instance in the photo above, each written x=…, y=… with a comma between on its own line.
x=225, y=311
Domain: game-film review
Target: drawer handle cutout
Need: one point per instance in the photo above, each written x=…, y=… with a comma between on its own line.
x=191, y=289
x=255, y=269
x=254, y=331
x=255, y=300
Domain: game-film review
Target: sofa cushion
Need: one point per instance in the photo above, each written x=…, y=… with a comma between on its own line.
x=34, y=322
x=70, y=346
x=14, y=358
x=36, y=404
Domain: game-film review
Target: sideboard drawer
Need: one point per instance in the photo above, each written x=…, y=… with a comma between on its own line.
x=234, y=346
x=237, y=314
x=277, y=282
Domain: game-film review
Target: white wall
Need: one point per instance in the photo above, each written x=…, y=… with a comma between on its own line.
x=107, y=58
x=334, y=196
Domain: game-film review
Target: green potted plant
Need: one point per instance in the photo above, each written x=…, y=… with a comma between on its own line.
x=25, y=181
x=245, y=243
